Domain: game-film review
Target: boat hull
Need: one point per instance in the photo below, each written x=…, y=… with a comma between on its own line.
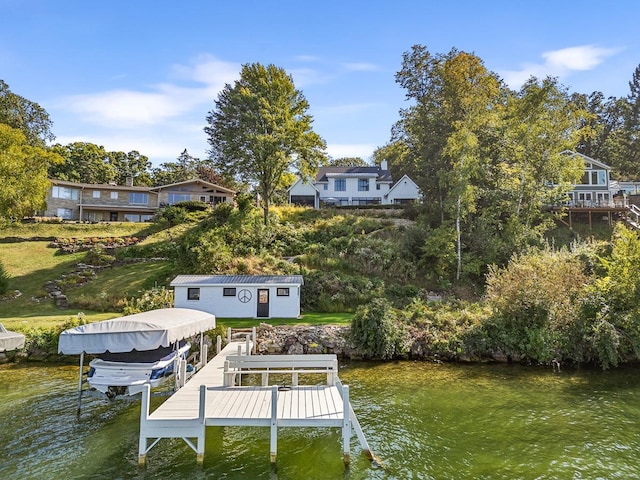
x=115, y=378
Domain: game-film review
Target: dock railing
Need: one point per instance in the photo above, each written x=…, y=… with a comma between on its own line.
x=235, y=366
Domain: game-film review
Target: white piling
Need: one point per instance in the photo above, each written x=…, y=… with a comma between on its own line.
x=218, y=344
x=273, y=450
x=346, y=425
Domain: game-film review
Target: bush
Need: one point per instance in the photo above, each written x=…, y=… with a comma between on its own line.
x=376, y=331
x=4, y=280
x=45, y=340
x=150, y=300
x=97, y=256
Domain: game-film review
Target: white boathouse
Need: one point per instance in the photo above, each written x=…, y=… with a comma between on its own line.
x=240, y=296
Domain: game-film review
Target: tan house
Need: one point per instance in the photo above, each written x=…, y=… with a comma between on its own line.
x=122, y=203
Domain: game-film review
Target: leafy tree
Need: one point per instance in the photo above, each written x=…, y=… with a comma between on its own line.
x=24, y=115
x=541, y=122
x=184, y=168
x=260, y=129
x=90, y=163
x=23, y=174
x=347, y=162
x=131, y=165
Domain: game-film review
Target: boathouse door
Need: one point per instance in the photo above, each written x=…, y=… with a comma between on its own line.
x=263, y=302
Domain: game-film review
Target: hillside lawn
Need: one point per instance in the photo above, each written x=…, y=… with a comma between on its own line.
x=30, y=264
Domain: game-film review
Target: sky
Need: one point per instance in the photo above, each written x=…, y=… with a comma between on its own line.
x=143, y=74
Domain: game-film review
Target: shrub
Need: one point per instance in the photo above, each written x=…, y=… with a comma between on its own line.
x=150, y=300
x=376, y=331
x=44, y=340
x=97, y=256
x=4, y=280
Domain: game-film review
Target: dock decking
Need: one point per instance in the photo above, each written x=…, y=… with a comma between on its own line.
x=212, y=398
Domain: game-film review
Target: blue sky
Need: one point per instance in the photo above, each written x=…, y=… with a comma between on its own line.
x=142, y=75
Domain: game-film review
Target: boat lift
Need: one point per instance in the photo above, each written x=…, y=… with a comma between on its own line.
x=140, y=332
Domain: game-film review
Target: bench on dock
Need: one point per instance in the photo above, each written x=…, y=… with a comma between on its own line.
x=237, y=365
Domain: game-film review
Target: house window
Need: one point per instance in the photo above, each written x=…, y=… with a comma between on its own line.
x=377, y=186
x=65, y=213
x=326, y=186
x=114, y=195
x=139, y=198
x=95, y=194
x=131, y=217
x=64, y=192
x=193, y=294
x=178, y=197
x=283, y=292
x=363, y=184
x=340, y=184
x=228, y=292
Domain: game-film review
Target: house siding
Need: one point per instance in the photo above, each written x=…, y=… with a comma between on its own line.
x=212, y=299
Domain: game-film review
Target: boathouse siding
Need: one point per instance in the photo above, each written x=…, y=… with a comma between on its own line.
x=240, y=296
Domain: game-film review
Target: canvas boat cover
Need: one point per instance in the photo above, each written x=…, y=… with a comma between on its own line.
x=142, y=331
x=10, y=340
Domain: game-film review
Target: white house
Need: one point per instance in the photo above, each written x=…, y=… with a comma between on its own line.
x=240, y=296
x=353, y=186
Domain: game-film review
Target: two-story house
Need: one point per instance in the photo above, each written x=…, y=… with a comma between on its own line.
x=120, y=203
x=353, y=186
x=596, y=189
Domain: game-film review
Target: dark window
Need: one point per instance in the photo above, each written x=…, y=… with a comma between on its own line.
x=229, y=292
x=193, y=294
x=341, y=185
x=283, y=292
x=363, y=184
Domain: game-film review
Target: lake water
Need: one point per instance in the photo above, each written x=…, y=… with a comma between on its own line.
x=423, y=420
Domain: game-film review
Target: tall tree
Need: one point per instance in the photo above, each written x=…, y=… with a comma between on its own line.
x=27, y=116
x=23, y=174
x=83, y=162
x=260, y=129
x=184, y=168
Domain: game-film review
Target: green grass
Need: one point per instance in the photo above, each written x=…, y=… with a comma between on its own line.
x=310, y=318
x=66, y=230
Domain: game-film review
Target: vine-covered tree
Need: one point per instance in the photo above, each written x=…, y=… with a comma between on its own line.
x=24, y=115
x=260, y=129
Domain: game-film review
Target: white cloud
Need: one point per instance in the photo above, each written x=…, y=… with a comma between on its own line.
x=362, y=150
x=560, y=63
x=158, y=103
x=361, y=67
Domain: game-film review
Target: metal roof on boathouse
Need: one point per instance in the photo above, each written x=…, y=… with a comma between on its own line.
x=213, y=280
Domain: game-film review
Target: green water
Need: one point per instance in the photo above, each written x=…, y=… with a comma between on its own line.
x=424, y=421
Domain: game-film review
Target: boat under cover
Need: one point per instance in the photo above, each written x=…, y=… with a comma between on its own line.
x=10, y=340
x=126, y=373
x=135, y=350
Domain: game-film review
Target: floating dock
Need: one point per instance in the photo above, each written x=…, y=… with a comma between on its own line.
x=215, y=396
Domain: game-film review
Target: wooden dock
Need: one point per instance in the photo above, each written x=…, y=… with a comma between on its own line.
x=215, y=396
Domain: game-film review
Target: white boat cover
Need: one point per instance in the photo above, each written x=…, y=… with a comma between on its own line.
x=10, y=340
x=142, y=331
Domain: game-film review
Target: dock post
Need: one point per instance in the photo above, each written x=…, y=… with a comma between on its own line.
x=254, y=334
x=346, y=425
x=247, y=347
x=201, y=416
x=228, y=335
x=204, y=355
x=80, y=384
x=218, y=344
x=273, y=450
x=183, y=373
x=144, y=415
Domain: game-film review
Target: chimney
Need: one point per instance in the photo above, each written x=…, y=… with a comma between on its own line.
x=128, y=181
x=383, y=165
